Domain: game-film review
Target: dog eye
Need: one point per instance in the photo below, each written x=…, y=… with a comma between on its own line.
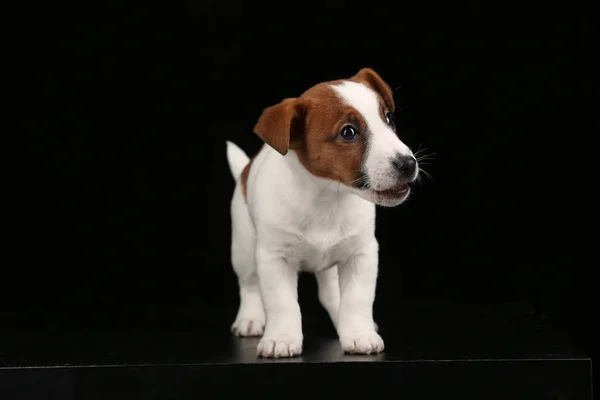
x=389, y=118
x=348, y=133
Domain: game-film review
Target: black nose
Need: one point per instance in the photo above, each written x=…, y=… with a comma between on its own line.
x=405, y=165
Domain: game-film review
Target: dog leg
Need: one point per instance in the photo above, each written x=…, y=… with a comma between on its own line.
x=279, y=288
x=329, y=292
x=250, y=319
x=358, y=280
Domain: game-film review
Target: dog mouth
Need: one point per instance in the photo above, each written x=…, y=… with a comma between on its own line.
x=395, y=191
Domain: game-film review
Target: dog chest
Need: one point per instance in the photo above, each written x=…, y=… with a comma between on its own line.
x=320, y=246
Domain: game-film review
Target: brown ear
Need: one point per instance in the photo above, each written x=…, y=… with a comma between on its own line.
x=282, y=124
x=374, y=81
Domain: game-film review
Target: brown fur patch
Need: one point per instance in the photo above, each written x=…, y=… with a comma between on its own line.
x=277, y=125
x=320, y=149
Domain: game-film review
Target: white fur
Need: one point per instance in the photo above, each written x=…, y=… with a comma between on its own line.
x=293, y=221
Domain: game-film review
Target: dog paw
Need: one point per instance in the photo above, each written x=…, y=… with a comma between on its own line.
x=276, y=347
x=362, y=343
x=248, y=327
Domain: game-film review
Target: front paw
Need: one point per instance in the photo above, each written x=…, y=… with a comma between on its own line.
x=248, y=327
x=279, y=346
x=362, y=343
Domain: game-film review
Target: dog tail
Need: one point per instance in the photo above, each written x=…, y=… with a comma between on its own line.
x=237, y=159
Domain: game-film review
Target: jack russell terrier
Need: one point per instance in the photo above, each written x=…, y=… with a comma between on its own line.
x=306, y=202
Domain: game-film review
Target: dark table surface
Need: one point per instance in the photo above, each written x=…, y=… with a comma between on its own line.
x=200, y=335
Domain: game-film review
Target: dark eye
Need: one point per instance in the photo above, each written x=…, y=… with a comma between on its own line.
x=349, y=133
x=389, y=118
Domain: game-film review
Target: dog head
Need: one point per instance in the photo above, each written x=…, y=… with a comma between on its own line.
x=344, y=131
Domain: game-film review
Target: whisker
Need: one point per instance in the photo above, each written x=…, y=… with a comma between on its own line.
x=427, y=174
x=420, y=150
x=422, y=156
x=329, y=183
x=352, y=181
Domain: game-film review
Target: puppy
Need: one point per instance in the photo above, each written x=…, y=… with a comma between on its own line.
x=306, y=202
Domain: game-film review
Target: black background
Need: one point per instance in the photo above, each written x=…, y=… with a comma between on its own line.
x=123, y=188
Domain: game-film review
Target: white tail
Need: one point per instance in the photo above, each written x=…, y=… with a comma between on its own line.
x=237, y=159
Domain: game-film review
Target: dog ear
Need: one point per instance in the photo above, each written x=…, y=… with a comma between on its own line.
x=281, y=125
x=374, y=81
